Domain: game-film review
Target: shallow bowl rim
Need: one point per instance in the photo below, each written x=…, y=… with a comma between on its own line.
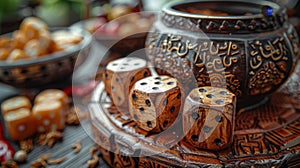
x=87, y=39
x=168, y=9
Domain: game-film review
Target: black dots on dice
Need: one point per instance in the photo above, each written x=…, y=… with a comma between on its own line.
x=218, y=142
x=172, y=109
x=218, y=118
x=195, y=115
x=195, y=138
x=142, y=110
x=165, y=124
x=148, y=103
x=149, y=124
x=206, y=129
x=179, y=96
x=165, y=102
x=134, y=98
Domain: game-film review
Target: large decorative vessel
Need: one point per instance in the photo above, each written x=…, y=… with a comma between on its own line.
x=246, y=46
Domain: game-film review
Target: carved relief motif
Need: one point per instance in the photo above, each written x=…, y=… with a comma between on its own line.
x=122, y=161
x=266, y=143
x=245, y=145
x=145, y=163
x=265, y=79
x=268, y=63
x=220, y=25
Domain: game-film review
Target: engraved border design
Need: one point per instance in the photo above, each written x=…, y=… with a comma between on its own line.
x=233, y=25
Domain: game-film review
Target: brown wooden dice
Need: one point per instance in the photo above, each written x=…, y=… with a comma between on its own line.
x=119, y=77
x=155, y=102
x=20, y=124
x=208, y=118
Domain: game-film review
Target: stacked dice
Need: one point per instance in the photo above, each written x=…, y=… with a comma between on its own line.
x=18, y=117
x=208, y=118
x=49, y=110
x=119, y=77
x=48, y=113
x=153, y=102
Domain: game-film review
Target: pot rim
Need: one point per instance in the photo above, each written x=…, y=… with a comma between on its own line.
x=168, y=8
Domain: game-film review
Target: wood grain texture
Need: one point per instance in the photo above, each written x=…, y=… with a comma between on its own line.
x=119, y=77
x=208, y=118
x=155, y=102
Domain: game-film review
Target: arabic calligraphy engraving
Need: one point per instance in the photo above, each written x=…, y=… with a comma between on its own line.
x=268, y=65
x=217, y=60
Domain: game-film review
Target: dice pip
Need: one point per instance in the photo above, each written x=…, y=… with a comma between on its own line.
x=119, y=77
x=154, y=102
x=208, y=118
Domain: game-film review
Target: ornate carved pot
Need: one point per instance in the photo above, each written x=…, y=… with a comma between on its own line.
x=248, y=47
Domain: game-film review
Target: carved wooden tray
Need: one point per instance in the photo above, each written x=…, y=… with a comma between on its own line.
x=268, y=136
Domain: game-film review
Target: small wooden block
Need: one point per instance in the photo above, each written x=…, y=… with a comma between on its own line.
x=208, y=118
x=49, y=116
x=20, y=124
x=119, y=77
x=155, y=102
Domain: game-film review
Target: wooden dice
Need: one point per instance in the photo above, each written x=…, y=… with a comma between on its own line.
x=154, y=102
x=19, y=124
x=208, y=118
x=49, y=116
x=119, y=77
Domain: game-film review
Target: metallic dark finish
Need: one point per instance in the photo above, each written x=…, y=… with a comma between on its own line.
x=248, y=53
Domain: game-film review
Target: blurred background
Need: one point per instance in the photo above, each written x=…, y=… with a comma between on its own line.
x=62, y=12
x=66, y=12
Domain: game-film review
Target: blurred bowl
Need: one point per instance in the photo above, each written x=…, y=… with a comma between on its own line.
x=130, y=35
x=125, y=45
x=47, y=69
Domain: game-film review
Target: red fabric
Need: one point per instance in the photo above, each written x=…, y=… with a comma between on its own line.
x=84, y=90
x=6, y=149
